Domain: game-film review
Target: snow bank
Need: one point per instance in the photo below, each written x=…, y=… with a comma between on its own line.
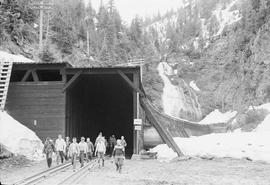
x=194, y=86
x=164, y=153
x=217, y=117
x=253, y=145
x=265, y=106
x=264, y=126
x=4, y=56
x=226, y=17
x=18, y=139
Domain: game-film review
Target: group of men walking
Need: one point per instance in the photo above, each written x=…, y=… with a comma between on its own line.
x=67, y=150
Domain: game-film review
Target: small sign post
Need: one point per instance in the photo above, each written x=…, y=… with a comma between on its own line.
x=137, y=122
x=137, y=127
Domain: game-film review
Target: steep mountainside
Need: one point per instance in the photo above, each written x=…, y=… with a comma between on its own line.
x=222, y=46
x=214, y=53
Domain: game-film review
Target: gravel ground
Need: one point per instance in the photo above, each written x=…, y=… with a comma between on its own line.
x=9, y=175
x=152, y=172
x=193, y=172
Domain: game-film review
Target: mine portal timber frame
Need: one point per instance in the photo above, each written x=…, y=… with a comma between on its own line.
x=133, y=84
x=69, y=76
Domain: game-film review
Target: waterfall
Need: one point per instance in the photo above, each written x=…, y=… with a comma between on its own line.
x=178, y=99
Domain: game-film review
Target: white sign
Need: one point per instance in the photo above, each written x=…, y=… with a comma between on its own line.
x=138, y=127
x=137, y=122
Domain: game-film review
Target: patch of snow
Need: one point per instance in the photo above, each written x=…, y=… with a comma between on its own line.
x=217, y=117
x=226, y=17
x=205, y=32
x=186, y=4
x=253, y=145
x=5, y=56
x=184, y=46
x=237, y=144
x=164, y=153
x=265, y=106
x=36, y=25
x=206, y=44
x=234, y=121
x=194, y=86
x=237, y=130
x=264, y=126
x=196, y=43
x=18, y=139
x=92, y=58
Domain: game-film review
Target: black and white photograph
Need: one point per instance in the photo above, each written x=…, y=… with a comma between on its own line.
x=134, y=92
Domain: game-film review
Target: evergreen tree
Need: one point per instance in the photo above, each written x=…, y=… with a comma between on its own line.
x=68, y=24
x=136, y=31
x=90, y=17
x=16, y=18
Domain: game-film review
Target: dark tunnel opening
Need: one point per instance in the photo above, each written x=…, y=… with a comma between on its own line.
x=100, y=103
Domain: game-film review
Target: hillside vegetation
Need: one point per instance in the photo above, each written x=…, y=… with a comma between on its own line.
x=223, y=45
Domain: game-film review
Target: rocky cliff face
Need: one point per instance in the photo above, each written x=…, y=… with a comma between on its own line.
x=221, y=46
x=178, y=98
x=226, y=53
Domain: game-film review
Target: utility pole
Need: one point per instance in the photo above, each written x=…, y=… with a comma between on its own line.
x=42, y=7
x=41, y=26
x=88, y=42
x=48, y=28
x=87, y=20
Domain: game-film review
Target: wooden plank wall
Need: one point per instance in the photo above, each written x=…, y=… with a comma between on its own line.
x=40, y=101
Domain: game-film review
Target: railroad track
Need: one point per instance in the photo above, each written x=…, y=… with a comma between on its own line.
x=34, y=179
x=59, y=175
x=80, y=174
x=76, y=177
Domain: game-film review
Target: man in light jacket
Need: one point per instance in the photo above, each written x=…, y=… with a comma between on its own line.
x=60, y=147
x=100, y=151
x=98, y=138
x=83, y=150
x=73, y=152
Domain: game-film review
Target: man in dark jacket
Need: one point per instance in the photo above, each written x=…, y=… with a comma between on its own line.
x=112, y=143
x=90, y=149
x=48, y=150
x=67, y=148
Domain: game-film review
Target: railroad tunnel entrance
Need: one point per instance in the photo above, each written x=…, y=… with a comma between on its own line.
x=100, y=103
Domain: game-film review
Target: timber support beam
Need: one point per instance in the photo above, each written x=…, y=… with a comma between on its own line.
x=35, y=76
x=26, y=75
x=130, y=83
x=71, y=81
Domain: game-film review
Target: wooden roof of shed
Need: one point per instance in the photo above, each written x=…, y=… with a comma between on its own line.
x=87, y=63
